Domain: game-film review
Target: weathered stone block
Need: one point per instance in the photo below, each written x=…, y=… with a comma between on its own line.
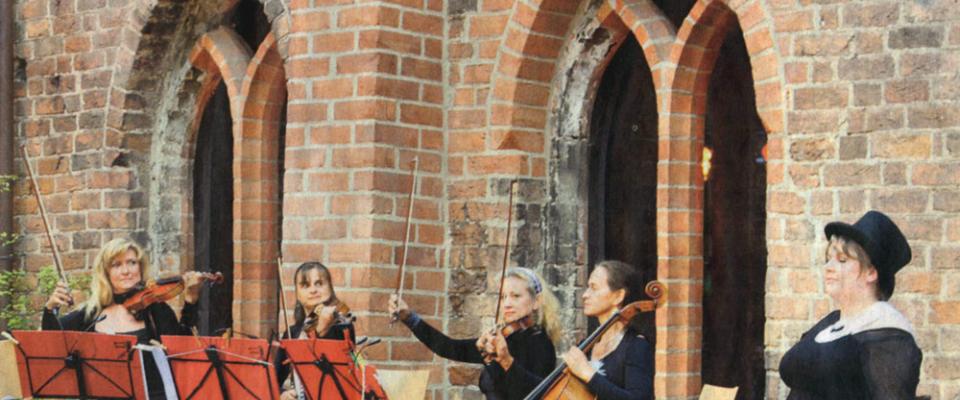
x=914, y=37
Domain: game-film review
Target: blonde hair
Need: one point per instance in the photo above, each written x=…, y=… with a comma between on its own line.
x=546, y=317
x=101, y=292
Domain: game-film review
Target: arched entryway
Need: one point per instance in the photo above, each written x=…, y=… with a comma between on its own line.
x=623, y=167
x=735, y=256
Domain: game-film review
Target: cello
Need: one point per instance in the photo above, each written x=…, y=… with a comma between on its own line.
x=561, y=384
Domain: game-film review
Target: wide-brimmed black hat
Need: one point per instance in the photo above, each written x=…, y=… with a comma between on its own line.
x=881, y=238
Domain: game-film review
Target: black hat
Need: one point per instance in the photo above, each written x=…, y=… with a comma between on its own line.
x=885, y=244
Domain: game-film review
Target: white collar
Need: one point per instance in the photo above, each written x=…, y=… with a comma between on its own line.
x=878, y=315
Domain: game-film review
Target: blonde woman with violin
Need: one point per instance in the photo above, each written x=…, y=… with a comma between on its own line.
x=318, y=314
x=620, y=365
x=519, y=354
x=118, y=277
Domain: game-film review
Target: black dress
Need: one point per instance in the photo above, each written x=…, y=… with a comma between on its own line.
x=627, y=372
x=881, y=363
x=159, y=319
x=534, y=357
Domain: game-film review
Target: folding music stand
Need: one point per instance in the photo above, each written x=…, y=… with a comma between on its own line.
x=65, y=364
x=328, y=370
x=212, y=367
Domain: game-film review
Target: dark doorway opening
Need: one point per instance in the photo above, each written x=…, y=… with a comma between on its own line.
x=213, y=210
x=250, y=22
x=735, y=257
x=622, y=178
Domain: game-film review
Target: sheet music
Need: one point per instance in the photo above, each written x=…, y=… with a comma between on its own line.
x=163, y=365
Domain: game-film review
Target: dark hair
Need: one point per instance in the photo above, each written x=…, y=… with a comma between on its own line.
x=299, y=314
x=621, y=275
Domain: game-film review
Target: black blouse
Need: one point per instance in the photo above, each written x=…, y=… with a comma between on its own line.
x=627, y=372
x=159, y=320
x=874, y=364
x=534, y=357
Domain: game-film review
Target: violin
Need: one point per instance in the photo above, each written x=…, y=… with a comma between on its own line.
x=341, y=316
x=561, y=384
x=162, y=290
x=510, y=328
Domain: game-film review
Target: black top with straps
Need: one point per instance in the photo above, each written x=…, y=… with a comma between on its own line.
x=534, y=357
x=873, y=364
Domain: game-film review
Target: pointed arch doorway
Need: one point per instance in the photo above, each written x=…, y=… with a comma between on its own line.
x=623, y=168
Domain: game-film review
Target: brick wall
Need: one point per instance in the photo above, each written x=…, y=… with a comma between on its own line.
x=871, y=120
x=858, y=100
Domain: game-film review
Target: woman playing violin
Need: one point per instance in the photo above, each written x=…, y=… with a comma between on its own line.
x=119, y=270
x=518, y=355
x=317, y=308
x=620, y=365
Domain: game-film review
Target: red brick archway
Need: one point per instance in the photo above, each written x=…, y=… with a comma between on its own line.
x=681, y=61
x=257, y=89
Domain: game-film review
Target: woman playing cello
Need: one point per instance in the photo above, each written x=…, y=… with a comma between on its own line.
x=620, y=364
x=517, y=356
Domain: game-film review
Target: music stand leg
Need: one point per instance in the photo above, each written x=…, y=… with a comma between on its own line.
x=74, y=361
x=218, y=368
x=326, y=367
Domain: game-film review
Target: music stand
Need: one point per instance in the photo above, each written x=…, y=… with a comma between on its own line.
x=328, y=370
x=212, y=367
x=65, y=364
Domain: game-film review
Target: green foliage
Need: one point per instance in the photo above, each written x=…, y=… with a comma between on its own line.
x=21, y=312
x=47, y=279
x=8, y=239
x=16, y=289
x=6, y=182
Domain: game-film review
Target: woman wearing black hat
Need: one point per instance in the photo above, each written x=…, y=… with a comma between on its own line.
x=866, y=348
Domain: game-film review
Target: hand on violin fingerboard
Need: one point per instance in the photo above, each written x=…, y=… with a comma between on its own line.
x=193, y=283
x=324, y=316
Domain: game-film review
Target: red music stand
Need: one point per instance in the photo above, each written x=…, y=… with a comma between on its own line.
x=328, y=370
x=65, y=364
x=212, y=367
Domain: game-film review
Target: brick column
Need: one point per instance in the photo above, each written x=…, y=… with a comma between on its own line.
x=365, y=96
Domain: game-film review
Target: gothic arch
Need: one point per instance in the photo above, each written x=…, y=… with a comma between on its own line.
x=680, y=181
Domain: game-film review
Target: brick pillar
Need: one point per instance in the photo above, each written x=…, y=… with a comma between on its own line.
x=365, y=96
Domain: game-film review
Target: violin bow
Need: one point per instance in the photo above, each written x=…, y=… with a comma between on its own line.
x=43, y=215
x=283, y=302
x=46, y=227
x=406, y=231
x=506, y=249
